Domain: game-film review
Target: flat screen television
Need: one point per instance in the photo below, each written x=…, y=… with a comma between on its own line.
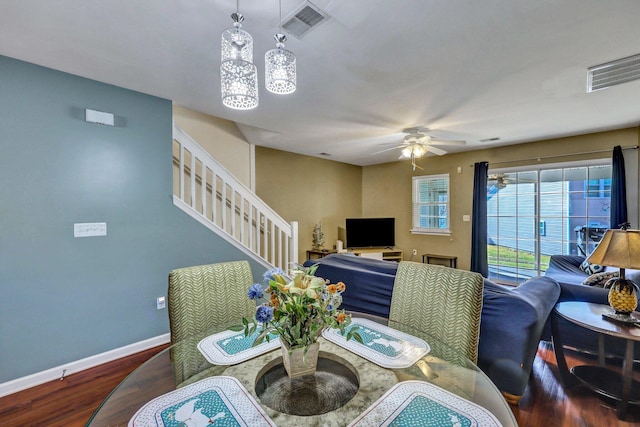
x=370, y=232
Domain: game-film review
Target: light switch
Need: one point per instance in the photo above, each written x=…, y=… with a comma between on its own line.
x=160, y=303
x=466, y=218
x=99, y=117
x=90, y=229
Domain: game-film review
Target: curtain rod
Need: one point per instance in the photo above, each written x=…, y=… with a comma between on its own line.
x=630, y=147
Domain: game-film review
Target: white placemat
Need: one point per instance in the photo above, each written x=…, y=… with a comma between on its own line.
x=212, y=401
x=383, y=346
x=231, y=347
x=420, y=404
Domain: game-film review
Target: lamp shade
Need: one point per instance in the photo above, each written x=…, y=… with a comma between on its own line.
x=239, y=84
x=280, y=68
x=238, y=75
x=236, y=42
x=618, y=248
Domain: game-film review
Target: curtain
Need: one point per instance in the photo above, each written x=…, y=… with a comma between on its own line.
x=479, y=262
x=618, y=212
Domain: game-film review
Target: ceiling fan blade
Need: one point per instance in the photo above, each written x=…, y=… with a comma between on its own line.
x=446, y=142
x=387, y=149
x=434, y=150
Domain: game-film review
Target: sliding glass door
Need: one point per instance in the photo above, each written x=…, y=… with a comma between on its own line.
x=535, y=213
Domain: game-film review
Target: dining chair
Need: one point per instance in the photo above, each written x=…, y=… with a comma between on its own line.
x=199, y=298
x=444, y=302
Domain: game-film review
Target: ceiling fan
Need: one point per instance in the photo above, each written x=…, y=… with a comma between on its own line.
x=417, y=143
x=501, y=180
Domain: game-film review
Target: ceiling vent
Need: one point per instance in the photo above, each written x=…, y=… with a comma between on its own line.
x=302, y=21
x=613, y=73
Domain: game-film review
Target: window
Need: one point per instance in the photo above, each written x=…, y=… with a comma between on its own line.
x=535, y=213
x=431, y=204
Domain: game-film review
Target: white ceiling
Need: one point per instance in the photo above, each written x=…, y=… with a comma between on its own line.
x=466, y=69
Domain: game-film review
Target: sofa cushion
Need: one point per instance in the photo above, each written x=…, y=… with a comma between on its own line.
x=591, y=268
x=599, y=279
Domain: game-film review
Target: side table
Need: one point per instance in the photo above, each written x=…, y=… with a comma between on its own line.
x=318, y=253
x=452, y=260
x=620, y=387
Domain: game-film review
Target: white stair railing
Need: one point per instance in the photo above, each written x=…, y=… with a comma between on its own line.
x=204, y=189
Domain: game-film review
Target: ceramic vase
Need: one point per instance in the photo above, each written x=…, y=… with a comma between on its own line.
x=296, y=362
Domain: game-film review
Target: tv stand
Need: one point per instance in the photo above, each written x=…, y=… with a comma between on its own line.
x=386, y=254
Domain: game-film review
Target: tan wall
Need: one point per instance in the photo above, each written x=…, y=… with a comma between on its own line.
x=309, y=190
x=220, y=137
x=386, y=188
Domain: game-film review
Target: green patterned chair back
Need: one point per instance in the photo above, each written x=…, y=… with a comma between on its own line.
x=444, y=302
x=203, y=296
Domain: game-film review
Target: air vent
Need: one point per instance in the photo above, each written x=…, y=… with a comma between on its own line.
x=613, y=73
x=304, y=20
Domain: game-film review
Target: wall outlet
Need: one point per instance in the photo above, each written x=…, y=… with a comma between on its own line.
x=161, y=303
x=414, y=252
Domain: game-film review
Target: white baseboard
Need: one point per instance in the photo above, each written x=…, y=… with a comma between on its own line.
x=42, y=377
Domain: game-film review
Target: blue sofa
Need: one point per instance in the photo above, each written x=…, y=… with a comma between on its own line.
x=565, y=269
x=512, y=319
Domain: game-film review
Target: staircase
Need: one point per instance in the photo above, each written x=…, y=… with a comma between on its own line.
x=206, y=191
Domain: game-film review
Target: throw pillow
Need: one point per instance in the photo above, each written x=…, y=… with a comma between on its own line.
x=590, y=268
x=600, y=279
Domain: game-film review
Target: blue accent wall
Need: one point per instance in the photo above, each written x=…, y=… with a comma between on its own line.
x=64, y=298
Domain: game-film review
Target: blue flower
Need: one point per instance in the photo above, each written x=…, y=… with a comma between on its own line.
x=268, y=275
x=264, y=314
x=255, y=291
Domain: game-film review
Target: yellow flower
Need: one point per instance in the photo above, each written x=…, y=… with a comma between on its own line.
x=341, y=286
x=332, y=289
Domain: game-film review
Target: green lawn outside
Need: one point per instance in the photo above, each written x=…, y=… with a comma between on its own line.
x=509, y=257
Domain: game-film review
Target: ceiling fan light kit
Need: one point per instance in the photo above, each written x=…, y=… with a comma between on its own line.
x=238, y=74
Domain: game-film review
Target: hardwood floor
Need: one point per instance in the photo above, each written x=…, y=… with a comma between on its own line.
x=68, y=402
x=71, y=402
x=546, y=403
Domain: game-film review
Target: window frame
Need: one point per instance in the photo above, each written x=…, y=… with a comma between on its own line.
x=416, y=204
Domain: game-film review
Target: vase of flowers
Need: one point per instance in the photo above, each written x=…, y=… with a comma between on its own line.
x=298, y=306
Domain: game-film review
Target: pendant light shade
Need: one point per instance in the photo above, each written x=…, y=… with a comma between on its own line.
x=238, y=74
x=280, y=68
x=239, y=84
x=236, y=42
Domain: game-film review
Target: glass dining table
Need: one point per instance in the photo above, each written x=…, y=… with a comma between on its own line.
x=344, y=387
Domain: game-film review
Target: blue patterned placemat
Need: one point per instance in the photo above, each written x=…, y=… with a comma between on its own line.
x=219, y=401
x=383, y=346
x=420, y=404
x=231, y=347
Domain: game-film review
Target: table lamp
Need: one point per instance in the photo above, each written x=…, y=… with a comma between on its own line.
x=619, y=248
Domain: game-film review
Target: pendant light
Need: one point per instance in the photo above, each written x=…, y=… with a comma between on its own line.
x=280, y=65
x=238, y=74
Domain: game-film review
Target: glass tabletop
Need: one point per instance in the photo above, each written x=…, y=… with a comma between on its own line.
x=183, y=364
